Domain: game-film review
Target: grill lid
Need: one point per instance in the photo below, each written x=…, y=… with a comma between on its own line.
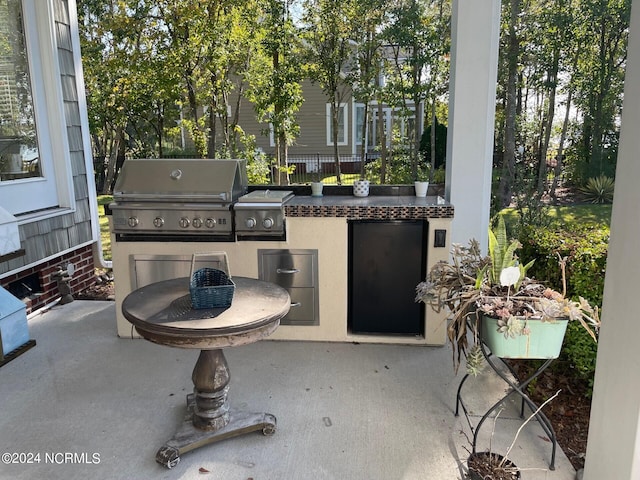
x=170, y=180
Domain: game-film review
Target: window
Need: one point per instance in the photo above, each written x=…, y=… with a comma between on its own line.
x=18, y=140
x=374, y=126
x=359, y=122
x=342, y=121
x=34, y=147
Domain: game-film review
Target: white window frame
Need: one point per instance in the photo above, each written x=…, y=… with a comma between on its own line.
x=357, y=141
x=345, y=115
x=272, y=138
x=53, y=193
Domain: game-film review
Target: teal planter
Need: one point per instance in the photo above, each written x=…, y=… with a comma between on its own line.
x=543, y=341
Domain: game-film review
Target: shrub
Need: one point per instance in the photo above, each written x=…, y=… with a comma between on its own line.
x=599, y=189
x=585, y=247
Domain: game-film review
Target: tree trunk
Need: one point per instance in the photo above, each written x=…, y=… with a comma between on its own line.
x=434, y=121
x=548, y=125
x=116, y=146
x=509, y=154
x=335, y=106
x=363, y=143
x=560, y=154
x=383, y=144
x=160, y=131
x=211, y=139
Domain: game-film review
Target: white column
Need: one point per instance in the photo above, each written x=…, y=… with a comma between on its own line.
x=613, y=449
x=472, y=100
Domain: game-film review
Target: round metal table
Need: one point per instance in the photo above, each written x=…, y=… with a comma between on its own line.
x=162, y=313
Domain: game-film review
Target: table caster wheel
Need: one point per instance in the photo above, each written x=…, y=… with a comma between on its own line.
x=269, y=424
x=168, y=457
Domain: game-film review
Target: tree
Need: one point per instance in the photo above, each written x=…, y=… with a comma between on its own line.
x=331, y=54
x=275, y=91
x=509, y=155
x=368, y=40
x=414, y=37
x=603, y=27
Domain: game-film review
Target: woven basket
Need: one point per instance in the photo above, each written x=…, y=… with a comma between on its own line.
x=210, y=287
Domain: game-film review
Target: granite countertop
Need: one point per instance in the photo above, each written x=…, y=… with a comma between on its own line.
x=370, y=201
x=376, y=207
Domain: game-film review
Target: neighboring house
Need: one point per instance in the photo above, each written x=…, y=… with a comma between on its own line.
x=48, y=208
x=314, y=144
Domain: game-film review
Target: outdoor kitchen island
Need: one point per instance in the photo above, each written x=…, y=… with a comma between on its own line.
x=317, y=234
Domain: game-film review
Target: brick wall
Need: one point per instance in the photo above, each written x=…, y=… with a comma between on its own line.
x=82, y=278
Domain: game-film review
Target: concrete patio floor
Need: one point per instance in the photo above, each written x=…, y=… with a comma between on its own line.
x=345, y=411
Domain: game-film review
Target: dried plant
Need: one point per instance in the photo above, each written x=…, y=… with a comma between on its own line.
x=495, y=285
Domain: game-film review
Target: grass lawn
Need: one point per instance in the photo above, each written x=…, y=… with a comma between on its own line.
x=347, y=178
x=583, y=213
x=104, y=225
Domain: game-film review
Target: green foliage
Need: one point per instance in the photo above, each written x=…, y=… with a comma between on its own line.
x=503, y=253
x=441, y=145
x=585, y=246
x=439, y=175
x=599, y=189
x=528, y=203
x=579, y=353
x=257, y=162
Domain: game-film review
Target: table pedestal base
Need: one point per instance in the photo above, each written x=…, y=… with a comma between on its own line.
x=189, y=438
x=209, y=418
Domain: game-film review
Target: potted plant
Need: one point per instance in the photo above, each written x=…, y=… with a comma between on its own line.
x=492, y=300
x=421, y=183
x=490, y=465
x=316, y=183
x=361, y=187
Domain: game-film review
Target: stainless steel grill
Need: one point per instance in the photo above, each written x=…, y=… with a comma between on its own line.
x=177, y=196
x=193, y=198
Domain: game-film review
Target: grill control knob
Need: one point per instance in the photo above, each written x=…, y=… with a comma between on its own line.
x=184, y=222
x=158, y=222
x=267, y=222
x=197, y=222
x=210, y=222
x=250, y=222
x=133, y=221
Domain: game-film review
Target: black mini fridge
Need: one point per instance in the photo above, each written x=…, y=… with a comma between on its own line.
x=386, y=261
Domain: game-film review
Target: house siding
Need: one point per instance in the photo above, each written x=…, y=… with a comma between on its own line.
x=312, y=118
x=52, y=243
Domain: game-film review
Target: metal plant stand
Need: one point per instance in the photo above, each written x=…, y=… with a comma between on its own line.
x=516, y=387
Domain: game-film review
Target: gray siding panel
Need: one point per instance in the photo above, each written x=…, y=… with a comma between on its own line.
x=74, y=134
x=69, y=91
x=67, y=67
x=77, y=163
